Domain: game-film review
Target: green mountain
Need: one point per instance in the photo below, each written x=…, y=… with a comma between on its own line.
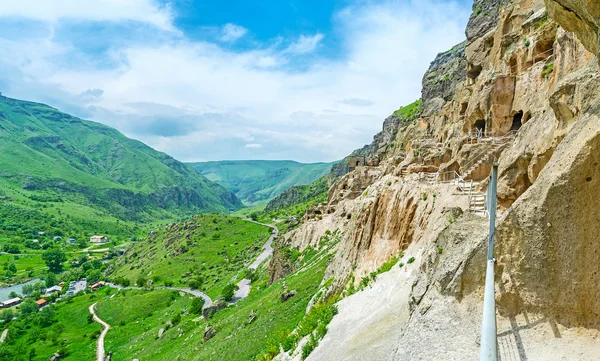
x=59, y=171
x=258, y=181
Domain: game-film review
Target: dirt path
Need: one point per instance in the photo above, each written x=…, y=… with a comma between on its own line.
x=245, y=284
x=100, y=353
x=3, y=336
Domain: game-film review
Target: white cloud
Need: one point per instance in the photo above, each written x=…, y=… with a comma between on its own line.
x=305, y=44
x=232, y=32
x=145, y=11
x=230, y=99
x=253, y=145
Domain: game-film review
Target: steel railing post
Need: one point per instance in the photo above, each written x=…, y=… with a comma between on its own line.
x=489, y=341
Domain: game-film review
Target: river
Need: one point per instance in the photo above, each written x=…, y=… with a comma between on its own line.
x=18, y=288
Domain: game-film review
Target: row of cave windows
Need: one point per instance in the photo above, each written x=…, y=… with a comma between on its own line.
x=480, y=125
x=516, y=123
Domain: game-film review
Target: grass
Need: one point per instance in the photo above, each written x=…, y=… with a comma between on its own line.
x=212, y=249
x=411, y=111
x=235, y=338
x=72, y=331
x=137, y=316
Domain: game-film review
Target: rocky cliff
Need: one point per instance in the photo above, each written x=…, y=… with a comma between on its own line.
x=524, y=92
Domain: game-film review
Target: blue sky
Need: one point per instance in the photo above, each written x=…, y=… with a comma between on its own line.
x=208, y=80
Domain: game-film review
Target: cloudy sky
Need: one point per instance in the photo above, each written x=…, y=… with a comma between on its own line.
x=308, y=80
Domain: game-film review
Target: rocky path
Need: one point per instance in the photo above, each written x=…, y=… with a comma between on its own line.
x=100, y=353
x=245, y=284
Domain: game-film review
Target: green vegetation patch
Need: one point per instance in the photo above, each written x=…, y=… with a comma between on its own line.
x=411, y=111
x=66, y=328
x=204, y=253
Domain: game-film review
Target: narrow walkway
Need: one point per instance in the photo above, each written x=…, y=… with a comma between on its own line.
x=245, y=284
x=100, y=353
x=3, y=336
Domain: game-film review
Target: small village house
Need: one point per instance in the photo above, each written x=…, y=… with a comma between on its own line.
x=53, y=289
x=99, y=239
x=10, y=303
x=97, y=285
x=41, y=303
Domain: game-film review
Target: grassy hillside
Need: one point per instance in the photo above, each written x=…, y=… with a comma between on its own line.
x=258, y=181
x=61, y=174
x=209, y=250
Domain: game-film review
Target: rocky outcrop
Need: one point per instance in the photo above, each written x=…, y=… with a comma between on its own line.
x=579, y=16
x=531, y=90
x=440, y=81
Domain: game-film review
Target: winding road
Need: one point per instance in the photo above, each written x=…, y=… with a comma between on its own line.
x=100, y=354
x=207, y=300
x=244, y=285
x=241, y=293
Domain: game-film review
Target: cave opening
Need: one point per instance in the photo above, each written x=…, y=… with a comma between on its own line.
x=480, y=126
x=517, y=121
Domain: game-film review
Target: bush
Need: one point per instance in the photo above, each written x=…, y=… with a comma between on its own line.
x=197, y=304
x=440, y=250
x=309, y=346
x=195, y=283
x=411, y=260
x=229, y=291
x=141, y=281
x=547, y=70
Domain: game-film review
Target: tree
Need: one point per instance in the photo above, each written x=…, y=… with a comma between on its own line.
x=13, y=294
x=27, y=290
x=54, y=259
x=197, y=304
x=50, y=280
x=141, y=281
x=7, y=315
x=229, y=291
x=28, y=307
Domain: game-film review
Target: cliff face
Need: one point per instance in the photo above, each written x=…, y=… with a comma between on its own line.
x=526, y=92
x=579, y=16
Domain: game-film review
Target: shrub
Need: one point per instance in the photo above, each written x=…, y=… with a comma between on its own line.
x=195, y=283
x=527, y=42
x=387, y=265
x=141, y=281
x=547, y=70
x=440, y=250
x=229, y=291
x=411, y=260
x=309, y=346
x=424, y=196
x=197, y=304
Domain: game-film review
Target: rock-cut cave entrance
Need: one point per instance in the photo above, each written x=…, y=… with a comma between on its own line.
x=517, y=121
x=480, y=126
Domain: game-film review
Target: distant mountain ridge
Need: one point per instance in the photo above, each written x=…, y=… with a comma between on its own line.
x=48, y=156
x=258, y=181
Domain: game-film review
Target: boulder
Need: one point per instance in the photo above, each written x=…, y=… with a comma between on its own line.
x=209, y=332
x=251, y=317
x=213, y=308
x=287, y=295
x=161, y=332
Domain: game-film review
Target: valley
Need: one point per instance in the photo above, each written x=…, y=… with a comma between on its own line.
x=482, y=195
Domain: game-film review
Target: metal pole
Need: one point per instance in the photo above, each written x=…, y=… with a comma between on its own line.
x=489, y=342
